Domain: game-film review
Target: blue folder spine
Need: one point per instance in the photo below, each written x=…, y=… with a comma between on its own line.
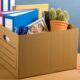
x=23, y=20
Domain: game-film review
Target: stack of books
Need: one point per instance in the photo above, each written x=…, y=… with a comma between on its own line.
x=7, y=5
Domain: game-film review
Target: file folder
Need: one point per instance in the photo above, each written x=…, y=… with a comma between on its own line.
x=0, y=5
x=21, y=19
x=5, y=5
x=2, y=16
x=12, y=4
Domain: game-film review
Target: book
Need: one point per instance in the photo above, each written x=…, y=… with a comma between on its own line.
x=47, y=20
x=5, y=5
x=38, y=26
x=2, y=16
x=12, y=4
x=20, y=19
x=0, y=5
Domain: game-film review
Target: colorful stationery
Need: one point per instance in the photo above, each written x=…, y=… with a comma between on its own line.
x=20, y=19
x=2, y=16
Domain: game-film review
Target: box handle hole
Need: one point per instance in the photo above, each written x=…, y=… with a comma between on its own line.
x=6, y=38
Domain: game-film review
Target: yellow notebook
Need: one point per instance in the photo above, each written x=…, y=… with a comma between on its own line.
x=41, y=7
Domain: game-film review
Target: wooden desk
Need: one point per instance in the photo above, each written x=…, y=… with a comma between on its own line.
x=65, y=75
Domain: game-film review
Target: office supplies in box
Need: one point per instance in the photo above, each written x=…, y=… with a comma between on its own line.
x=38, y=26
x=2, y=16
x=21, y=19
x=32, y=55
x=47, y=20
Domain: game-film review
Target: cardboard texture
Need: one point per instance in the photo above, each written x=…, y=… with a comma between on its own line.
x=41, y=7
x=64, y=75
x=31, y=55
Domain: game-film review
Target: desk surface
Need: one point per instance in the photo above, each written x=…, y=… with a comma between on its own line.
x=65, y=75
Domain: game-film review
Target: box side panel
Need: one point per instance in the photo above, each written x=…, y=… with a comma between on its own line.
x=8, y=36
x=47, y=52
x=64, y=50
x=6, y=60
x=9, y=58
x=34, y=55
x=8, y=50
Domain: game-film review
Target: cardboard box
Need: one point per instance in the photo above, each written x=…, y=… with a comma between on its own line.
x=31, y=55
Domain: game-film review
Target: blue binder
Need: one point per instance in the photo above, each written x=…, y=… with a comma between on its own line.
x=20, y=19
x=2, y=16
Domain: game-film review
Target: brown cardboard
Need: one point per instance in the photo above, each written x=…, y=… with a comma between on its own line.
x=64, y=75
x=12, y=36
x=39, y=53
